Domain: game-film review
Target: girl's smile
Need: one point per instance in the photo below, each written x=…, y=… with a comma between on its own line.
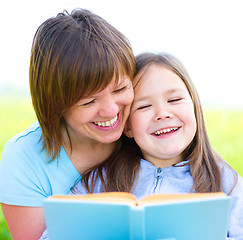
x=165, y=131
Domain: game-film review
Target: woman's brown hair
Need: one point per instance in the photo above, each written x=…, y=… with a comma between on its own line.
x=73, y=55
x=205, y=164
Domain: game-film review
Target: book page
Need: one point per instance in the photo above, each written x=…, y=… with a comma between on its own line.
x=117, y=197
x=157, y=198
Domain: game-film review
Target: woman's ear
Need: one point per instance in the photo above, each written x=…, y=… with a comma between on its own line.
x=128, y=130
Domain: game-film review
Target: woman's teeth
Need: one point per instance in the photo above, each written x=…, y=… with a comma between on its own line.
x=107, y=123
x=166, y=130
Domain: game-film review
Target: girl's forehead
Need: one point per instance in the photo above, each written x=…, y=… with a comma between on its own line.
x=139, y=75
x=158, y=80
x=157, y=74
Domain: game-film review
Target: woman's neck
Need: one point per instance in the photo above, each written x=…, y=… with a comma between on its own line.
x=86, y=157
x=85, y=154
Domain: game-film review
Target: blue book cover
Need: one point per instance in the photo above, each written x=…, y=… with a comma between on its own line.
x=104, y=216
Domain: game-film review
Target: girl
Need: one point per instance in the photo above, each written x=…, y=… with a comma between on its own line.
x=171, y=152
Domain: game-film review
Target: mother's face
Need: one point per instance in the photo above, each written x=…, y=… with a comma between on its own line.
x=101, y=117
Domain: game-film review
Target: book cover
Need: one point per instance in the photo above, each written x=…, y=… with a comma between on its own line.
x=197, y=216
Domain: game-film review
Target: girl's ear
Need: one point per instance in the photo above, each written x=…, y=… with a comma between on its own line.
x=128, y=130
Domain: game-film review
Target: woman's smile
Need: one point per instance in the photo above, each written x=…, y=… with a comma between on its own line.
x=108, y=125
x=102, y=116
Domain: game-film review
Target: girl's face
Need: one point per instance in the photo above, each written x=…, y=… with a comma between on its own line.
x=162, y=119
x=102, y=116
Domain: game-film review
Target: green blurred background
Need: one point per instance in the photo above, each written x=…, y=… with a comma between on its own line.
x=224, y=127
x=210, y=47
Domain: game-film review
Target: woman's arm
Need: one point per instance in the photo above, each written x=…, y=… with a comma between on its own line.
x=24, y=222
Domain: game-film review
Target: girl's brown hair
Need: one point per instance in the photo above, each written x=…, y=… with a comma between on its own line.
x=73, y=55
x=205, y=163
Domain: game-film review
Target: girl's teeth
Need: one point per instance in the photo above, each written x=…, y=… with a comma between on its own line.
x=165, y=130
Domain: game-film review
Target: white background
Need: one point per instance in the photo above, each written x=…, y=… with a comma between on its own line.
x=206, y=35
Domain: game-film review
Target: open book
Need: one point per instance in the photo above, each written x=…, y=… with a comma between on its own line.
x=117, y=215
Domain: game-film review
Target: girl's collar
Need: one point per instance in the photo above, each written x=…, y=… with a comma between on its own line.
x=180, y=164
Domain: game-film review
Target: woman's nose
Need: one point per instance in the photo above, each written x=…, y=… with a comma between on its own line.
x=109, y=108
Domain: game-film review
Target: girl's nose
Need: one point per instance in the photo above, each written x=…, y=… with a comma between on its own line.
x=162, y=114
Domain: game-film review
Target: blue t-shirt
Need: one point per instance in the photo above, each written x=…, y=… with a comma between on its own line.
x=27, y=176
x=153, y=180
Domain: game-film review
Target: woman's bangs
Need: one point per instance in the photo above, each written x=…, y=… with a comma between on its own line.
x=103, y=70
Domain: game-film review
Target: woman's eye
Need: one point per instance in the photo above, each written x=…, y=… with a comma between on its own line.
x=88, y=103
x=143, y=107
x=120, y=89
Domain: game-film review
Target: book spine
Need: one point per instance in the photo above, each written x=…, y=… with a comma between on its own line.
x=137, y=225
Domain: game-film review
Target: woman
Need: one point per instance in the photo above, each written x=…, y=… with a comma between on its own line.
x=80, y=82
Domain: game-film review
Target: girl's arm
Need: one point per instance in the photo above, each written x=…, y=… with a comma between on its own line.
x=24, y=222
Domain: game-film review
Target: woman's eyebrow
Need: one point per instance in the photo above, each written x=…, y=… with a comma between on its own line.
x=122, y=81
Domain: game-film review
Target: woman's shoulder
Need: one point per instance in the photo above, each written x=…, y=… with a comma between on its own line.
x=29, y=135
x=24, y=146
x=26, y=173
x=26, y=149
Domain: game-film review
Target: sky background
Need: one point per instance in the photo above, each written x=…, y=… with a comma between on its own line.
x=207, y=36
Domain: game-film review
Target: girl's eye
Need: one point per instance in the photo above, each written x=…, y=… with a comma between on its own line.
x=143, y=107
x=120, y=89
x=174, y=100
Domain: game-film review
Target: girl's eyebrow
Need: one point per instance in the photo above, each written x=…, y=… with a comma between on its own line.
x=175, y=90
x=172, y=90
x=141, y=99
